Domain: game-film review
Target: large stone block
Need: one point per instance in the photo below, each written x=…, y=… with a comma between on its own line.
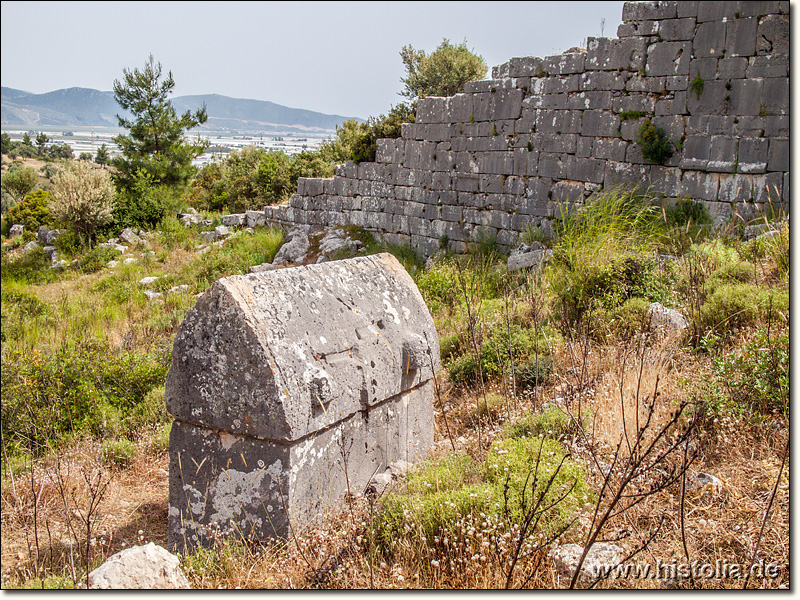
x=677, y=29
x=709, y=41
x=256, y=218
x=778, y=155
x=773, y=35
x=753, y=154
x=290, y=388
x=564, y=64
x=638, y=11
x=599, y=123
x=740, y=39
x=668, y=58
x=606, y=54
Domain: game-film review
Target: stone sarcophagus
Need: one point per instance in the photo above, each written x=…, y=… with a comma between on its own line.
x=289, y=389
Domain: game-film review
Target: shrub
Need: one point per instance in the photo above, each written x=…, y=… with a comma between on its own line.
x=552, y=422
x=118, y=453
x=445, y=497
x=95, y=260
x=85, y=390
x=450, y=346
x=654, y=143
x=83, y=199
x=756, y=378
x=32, y=267
x=144, y=204
x=463, y=369
x=533, y=372
x=732, y=305
x=587, y=269
x=32, y=212
x=491, y=404
x=439, y=286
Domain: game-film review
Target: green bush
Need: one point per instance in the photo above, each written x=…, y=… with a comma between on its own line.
x=450, y=346
x=95, y=260
x=32, y=267
x=519, y=464
x=439, y=286
x=588, y=270
x=553, y=422
x=32, y=212
x=444, y=496
x=143, y=205
x=733, y=305
x=463, y=370
x=118, y=453
x=533, y=372
x=654, y=143
x=85, y=390
x=756, y=378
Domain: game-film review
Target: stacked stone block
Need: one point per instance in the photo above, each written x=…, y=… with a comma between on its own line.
x=545, y=133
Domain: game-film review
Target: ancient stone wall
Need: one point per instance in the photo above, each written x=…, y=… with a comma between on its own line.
x=512, y=151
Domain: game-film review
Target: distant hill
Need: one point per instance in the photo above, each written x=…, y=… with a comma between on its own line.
x=74, y=107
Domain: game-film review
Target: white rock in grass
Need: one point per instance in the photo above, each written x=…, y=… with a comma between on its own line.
x=139, y=568
x=144, y=282
x=661, y=316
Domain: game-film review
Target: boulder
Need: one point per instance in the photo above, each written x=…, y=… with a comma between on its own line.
x=256, y=218
x=178, y=289
x=41, y=235
x=30, y=246
x=147, y=281
x=337, y=240
x=235, y=220
x=190, y=219
x=294, y=249
x=208, y=236
x=148, y=567
x=599, y=560
x=222, y=231
x=16, y=230
x=528, y=257
x=666, y=318
x=702, y=483
x=129, y=237
x=290, y=388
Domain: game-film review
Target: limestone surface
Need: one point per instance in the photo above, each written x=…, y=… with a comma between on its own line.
x=292, y=387
x=146, y=567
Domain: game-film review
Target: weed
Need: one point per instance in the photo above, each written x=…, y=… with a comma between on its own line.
x=631, y=115
x=697, y=84
x=118, y=453
x=654, y=143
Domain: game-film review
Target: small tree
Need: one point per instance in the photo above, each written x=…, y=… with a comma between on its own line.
x=101, y=158
x=83, y=199
x=41, y=140
x=441, y=73
x=156, y=142
x=5, y=144
x=19, y=183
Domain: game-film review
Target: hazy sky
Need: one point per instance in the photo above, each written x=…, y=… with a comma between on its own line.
x=331, y=57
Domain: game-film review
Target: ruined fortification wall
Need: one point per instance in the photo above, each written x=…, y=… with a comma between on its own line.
x=545, y=132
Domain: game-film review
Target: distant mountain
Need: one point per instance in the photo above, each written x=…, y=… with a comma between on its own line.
x=74, y=107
